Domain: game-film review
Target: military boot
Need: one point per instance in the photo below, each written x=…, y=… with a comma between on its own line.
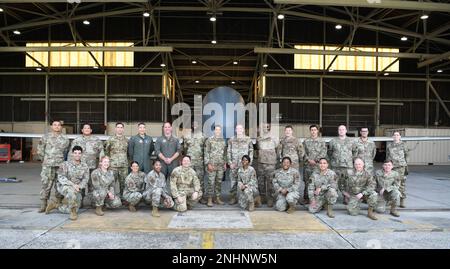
x=43, y=206
x=203, y=200
x=402, y=202
x=210, y=202
x=218, y=201
x=258, y=201
x=52, y=205
x=330, y=211
x=73, y=213
x=394, y=210
x=132, y=208
x=99, y=211
x=269, y=202
x=251, y=206
x=370, y=214
x=291, y=209
x=233, y=201
x=155, y=212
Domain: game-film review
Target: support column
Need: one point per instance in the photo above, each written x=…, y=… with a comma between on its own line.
x=378, y=103
x=320, y=102
x=46, y=102
x=427, y=103
x=105, y=106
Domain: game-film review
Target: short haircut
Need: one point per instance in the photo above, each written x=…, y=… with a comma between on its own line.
x=119, y=123
x=167, y=122
x=88, y=124
x=156, y=161
x=313, y=126
x=186, y=156
x=141, y=123
x=288, y=126
x=104, y=157
x=77, y=148
x=217, y=125
x=396, y=131
x=286, y=158
x=325, y=159
x=246, y=157
x=388, y=161
x=357, y=158
x=55, y=120
x=134, y=162
x=360, y=129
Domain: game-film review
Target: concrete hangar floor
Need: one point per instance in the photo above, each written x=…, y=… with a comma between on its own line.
x=425, y=223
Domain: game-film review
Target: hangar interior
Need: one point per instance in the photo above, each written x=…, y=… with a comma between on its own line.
x=373, y=65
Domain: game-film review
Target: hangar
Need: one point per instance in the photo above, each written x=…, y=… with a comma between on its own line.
x=382, y=65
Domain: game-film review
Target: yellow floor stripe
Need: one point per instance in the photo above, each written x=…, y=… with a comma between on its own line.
x=208, y=240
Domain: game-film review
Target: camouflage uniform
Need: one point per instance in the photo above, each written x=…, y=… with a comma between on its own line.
x=140, y=150
x=398, y=153
x=267, y=160
x=315, y=149
x=216, y=155
x=328, y=189
x=237, y=147
x=116, y=148
x=168, y=147
x=290, y=180
x=51, y=149
x=292, y=148
x=366, y=151
x=155, y=189
x=194, y=146
x=134, y=187
x=70, y=174
x=341, y=157
x=92, y=150
x=391, y=185
x=364, y=183
x=247, y=177
x=183, y=183
x=101, y=183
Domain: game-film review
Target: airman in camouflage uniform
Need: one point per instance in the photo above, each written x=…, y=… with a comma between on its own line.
x=238, y=146
x=167, y=149
x=102, y=188
x=365, y=149
x=398, y=152
x=247, y=186
x=134, y=187
x=92, y=150
x=155, y=189
x=322, y=190
x=286, y=184
x=73, y=176
x=360, y=185
x=291, y=147
x=116, y=149
x=185, y=186
x=388, y=185
x=215, y=162
x=315, y=149
x=140, y=149
x=51, y=149
x=341, y=156
x=193, y=145
x=267, y=160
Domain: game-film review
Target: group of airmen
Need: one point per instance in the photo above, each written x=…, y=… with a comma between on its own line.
x=119, y=171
